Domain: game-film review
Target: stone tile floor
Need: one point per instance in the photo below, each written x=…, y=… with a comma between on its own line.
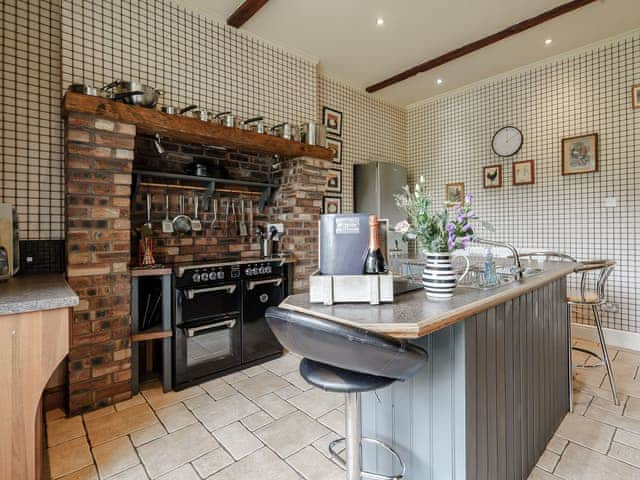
x=267, y=423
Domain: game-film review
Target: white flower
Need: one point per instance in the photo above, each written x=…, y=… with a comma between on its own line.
x=402, y=227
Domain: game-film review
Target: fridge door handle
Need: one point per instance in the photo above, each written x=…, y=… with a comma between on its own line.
x=254, y=283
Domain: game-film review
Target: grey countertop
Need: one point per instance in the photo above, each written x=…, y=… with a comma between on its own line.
x=413, y=315
x=32, y=292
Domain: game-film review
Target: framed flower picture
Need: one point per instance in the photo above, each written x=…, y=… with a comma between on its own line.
x=454, y=194
x=492, y=176
x=332, y=119
x=331, y=205
x=335, y=145
x=635, y=96
x=334, y=181
x=580, y=154
x=524, y=173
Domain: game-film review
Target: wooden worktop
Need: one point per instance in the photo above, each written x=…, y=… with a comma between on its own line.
x=413, y=315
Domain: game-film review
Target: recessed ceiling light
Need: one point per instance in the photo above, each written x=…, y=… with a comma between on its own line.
x=439, y=81
x=548, y=41
x=380, y=21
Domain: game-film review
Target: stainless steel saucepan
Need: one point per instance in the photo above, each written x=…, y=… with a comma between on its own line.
x=182, y=222
x=171, y=110
x=145, y=96
x=255, y=124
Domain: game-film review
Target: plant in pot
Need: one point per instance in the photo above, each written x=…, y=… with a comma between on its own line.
x=438, y=235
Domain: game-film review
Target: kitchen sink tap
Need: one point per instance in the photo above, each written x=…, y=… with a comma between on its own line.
x=517, y=269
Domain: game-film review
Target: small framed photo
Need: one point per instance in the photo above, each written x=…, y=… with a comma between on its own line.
x=454, y=194
x=635, y=96
x=334, y=181
x=332, y=119
x=331, y=205
x=580, y=154
x=524, y=173
x=335, y=145
x=492, y=176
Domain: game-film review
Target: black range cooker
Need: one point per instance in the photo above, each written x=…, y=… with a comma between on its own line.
x=219, y=323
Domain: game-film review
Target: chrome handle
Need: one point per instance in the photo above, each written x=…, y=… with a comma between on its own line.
x=253, y=284
x=227, y=323
x=191, y=292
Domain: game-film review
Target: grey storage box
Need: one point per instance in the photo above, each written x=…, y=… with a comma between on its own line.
x=330, y=289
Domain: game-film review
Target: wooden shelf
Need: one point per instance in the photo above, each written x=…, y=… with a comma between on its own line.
x=152, y=333
x=149, y=121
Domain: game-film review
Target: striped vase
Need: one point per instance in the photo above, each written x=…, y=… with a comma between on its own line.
x=438, y=276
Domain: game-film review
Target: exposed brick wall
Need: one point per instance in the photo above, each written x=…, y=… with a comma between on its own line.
x=297, y=204
x=207, y=244
x=99, y=157
x=101, y=223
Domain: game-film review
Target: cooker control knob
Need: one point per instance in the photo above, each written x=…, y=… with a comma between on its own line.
x=196, y=277
x=261, y=270
x=221, y=275
x=267, y=269
x=204, y=276
x=254, y=271
x=247, y=272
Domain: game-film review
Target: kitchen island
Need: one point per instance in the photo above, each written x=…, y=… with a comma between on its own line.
x=496, y=385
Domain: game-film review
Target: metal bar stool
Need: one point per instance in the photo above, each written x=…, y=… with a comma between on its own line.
x=595, y=298
x=349, y=360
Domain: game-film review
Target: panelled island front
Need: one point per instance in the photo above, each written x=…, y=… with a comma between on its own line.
x=495, y=386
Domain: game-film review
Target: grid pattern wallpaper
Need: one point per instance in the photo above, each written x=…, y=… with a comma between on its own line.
x=590, y=92
x=193, y=59
x=371, y=130
x=48, y=44
x=31, y=163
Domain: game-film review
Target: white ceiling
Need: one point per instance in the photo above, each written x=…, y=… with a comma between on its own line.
x=344, y=36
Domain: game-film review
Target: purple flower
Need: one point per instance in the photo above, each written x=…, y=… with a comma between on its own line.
x=460, y=218
x=465, y=242
x=468, y=198
x=466, y=227
x=472, y=214
x=451, y=228
x=451, y=243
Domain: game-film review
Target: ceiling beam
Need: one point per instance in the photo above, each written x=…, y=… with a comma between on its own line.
x=244, y=12
x=483, y=42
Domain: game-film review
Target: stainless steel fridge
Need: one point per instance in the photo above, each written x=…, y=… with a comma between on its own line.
x=374, y=185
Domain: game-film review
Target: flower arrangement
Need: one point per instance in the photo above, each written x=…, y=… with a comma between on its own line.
x=434, y=229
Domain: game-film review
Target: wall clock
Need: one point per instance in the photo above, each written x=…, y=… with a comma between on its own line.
x=507, y=141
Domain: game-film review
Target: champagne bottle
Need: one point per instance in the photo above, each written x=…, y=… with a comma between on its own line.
x=374, y=263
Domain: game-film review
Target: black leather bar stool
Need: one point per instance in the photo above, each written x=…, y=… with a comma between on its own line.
x=349, y=360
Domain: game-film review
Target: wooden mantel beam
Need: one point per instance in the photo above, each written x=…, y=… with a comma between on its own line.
x=483, y=42
x=244, y=12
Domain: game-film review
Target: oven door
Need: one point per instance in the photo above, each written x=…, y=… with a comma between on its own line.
x=258, y=341
x=207, y=334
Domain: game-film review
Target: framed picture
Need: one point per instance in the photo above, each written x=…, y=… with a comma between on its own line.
x=492, y=176
x=454, y=194
x=524, y=173
x=332, y=119
x=580, y=154
x=635, y=96
x=335, y=145
x=331, y=205
x=334, y=181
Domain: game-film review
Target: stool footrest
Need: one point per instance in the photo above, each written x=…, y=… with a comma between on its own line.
x=593, y=354
x=372, y=475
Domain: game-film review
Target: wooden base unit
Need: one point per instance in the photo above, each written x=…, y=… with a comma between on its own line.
x=491, y=396
x=31, y=347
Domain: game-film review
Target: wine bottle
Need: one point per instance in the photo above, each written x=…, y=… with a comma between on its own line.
x=374, y=263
